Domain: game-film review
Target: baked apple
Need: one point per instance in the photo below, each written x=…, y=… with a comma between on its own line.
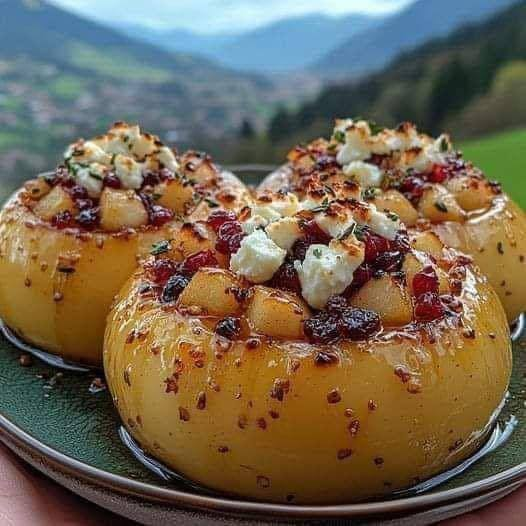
x=307, y=351
x=429, y=185
x=71, y=238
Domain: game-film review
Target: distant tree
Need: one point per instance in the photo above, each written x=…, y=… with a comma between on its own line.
x=280, y=125
x=246, y=131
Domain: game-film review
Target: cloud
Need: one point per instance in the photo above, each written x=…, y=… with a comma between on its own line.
x=218, y=15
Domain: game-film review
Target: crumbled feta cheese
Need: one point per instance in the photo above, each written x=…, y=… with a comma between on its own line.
x=253, y=223
x=285, y=205
x=357, y=145
x=268, y=213
x=91, y=178
x=284, y=232
x=128, y=171
x=86, y=152
x=364, y=174
x=326, y=271
x=258, y=257
x=309, y=204
x=167, y=158
x=335, y=225
x=384, y=224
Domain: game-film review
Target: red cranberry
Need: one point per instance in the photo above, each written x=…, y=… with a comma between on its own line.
x=173, y=288
x=88, y=218
x=62, y=220
x=359, y=324
x=67, y=181
x=229, y=327
x=218, y=217
x=413, y=188
x=166, y=175
x=428, y=307
x=299, y=249
x=401, y=242
x=82, y=204
x=438, y=174
x=229, y=237
x=360, y=277
x=314, y=234
x=374, y=245
x=162, y=269
x=390, y=261
x=159, y=215
x=337, y=304
x=286, y=278
x=77, y=192
x=325, y=162
x=151, y=179
x=193, y=263
x=425, y=281
x=322, y=328
x=112, y=181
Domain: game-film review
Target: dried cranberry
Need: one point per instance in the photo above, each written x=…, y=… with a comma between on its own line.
x=299, y=249
x=82, y=204
x=112, y=181
x=62, y=220
x=286, y=278
x=438, y=174
x=413, y=188
x=325, y=162
x=401, y=242
x=162, y=269
x=88, y=218
x=359, y=324
x=229, y=327
x=159, y=215
x=374, y=245
x=314, y=234
x=229, y=237
x=390, y=261
x=78, y=192
x=322, y=328
x=219, y=217
x=67, y=181
x=425, y=281
x=173, y=288
x=151, y=179
x=360, y=277
x=337, y=304
x=193, y=263
x=428, y=307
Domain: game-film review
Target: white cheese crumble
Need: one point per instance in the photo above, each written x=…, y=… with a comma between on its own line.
x=326, y=271
x=384, y=224
x=284, y=232
x=335, y=225
x=258, y=257
x=364, y=174
x=125, y=149
x=91, y=178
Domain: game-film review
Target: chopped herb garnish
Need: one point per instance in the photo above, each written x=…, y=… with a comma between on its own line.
x=96, y=176
x=375, y=128
x=321, y=208
x=211, y=203
x=317, y=253
x=160, y=248
x=339, y=136
x=439, y=205
x=156, y=196
x=370, y=193
x=444, y=145
x=359, y=232
x=392, y=216
x=347, y=232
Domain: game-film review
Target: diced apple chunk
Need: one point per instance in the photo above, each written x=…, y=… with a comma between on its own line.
x=387, y=297
x=394, y=201
x=471, y=193
x=438, y=204
x=213, y=290
x=175, y=195
x=192, y=238
x=37, y=188
x=276, y=313
x=121, y=209
x=429, y=243
x=56, y=201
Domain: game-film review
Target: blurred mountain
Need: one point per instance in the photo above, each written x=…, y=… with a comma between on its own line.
x=419, y=22
x=285, y=45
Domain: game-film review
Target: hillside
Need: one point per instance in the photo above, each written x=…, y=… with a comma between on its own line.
x=419, y=22
x=288, y=44
x=431, y=85
x=502, y=157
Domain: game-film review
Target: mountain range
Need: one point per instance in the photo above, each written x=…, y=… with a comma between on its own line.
x=420, y=21
x=288, y=44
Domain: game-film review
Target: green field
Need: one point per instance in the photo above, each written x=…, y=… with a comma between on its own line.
x=502, y=157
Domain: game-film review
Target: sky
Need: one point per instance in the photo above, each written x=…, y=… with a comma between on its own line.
x=212, y=16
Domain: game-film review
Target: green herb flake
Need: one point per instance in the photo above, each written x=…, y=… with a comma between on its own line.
x=375, y=128
x=161, y=247
x=370, y=193
x=339, y=136
x=359, y=232
x=392, y=216
x=347, y=232
x=439, y=205
x=444, y=145
x=317, y=253
x=211, y=203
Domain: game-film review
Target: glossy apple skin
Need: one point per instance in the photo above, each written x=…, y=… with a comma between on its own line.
x=265, y=422
x=56, y=286
x=495, y=238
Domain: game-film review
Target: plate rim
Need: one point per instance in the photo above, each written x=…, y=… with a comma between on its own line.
x=117, y=483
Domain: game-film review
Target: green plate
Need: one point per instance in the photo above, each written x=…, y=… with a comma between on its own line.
x=71, y=432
